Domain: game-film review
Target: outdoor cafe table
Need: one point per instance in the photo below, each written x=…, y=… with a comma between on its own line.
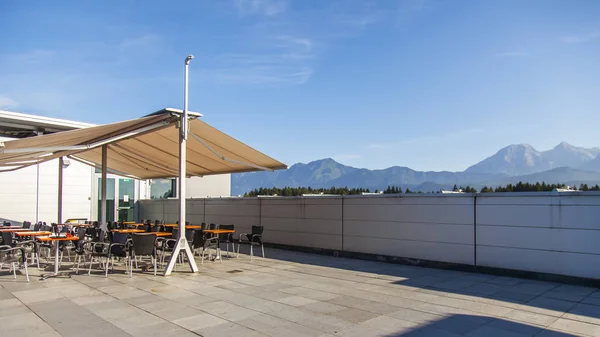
x=57, y=239
x=14, y=229
x=29, y=233
x=81, y=225
x=186, y=226
x=158, y=234
x=74, y=224
x=127, y=231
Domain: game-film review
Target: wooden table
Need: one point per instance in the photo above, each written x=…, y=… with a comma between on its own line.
x=170, y=225
x=38, y=233
x=128, y=231
x=57, y=239
x=129, y=223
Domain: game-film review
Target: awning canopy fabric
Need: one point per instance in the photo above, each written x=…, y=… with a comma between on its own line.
x=144, y=148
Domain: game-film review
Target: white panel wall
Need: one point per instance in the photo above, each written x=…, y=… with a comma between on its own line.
x=542, y=232
x=18, y=192
x=420, y=227
x=308, y=222
x=243, y=213
x=545, y=233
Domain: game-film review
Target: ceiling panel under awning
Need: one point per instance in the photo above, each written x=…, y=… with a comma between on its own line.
x=144, y=148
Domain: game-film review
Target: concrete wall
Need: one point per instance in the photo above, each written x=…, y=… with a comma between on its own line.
x=550, y=233
x=307, y=222
x=437, y=228
x=538, y=232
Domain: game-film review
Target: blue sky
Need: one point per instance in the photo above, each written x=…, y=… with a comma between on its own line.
x=432, y=85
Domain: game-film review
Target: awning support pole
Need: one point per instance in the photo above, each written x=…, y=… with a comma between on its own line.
x=60, y=189
x=103, y=188
x=182, y=243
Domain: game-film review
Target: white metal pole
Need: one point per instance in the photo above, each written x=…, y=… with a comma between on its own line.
x=60, y=189
x=37, y=194
x=181, y=240
x=103, y=188
x=37, y=188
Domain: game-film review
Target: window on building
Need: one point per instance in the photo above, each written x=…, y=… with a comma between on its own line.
x=163, y=188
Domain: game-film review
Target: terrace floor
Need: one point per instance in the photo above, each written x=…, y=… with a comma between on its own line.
x=296, y=294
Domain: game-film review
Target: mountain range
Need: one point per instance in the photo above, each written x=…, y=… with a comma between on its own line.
x=564, y=163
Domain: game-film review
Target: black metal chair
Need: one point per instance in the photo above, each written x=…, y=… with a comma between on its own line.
x=252, y=239
x=168, y=245
x=227, y=238
x=142, y=245
x=205, y=242
x=80, y=245
x=198, y=242
x=117, y=247
x=14, y=256
x=28, y=246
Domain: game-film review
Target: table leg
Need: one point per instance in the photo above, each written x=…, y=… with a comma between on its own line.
x=218, y=252
x=56, y=272
x=56, y=258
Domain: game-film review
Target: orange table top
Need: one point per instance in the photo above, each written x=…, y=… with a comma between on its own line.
x=129, y=222
x=158, y=234
x=32, y=233
x=15, y=229
x=127, y=230
x=50, y=238
x=187, y=226
x=219, y=231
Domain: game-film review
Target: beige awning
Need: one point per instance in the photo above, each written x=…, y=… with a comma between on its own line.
x=144, y=148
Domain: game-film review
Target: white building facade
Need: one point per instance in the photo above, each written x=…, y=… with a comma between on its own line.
x=31, y=194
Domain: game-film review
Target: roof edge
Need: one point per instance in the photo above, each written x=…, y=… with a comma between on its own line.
x=18, y=116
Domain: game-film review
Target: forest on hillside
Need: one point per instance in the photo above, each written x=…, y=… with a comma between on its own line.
x=519, y=187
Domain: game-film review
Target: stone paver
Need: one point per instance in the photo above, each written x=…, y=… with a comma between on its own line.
x=296, y=294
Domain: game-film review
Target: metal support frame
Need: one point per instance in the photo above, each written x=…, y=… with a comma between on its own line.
x=88, y=146
x=103, y=188
x=182, y=243
x=239, y=162
x=60, y=190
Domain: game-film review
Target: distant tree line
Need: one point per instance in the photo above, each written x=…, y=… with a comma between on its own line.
x=519, y=187
x=298, y=191
x=537, y=187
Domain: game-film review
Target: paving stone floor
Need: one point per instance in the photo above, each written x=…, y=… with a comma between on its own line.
x=295, y=294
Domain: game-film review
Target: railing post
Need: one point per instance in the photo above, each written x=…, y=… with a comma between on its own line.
x=343, y=198
x=475, y=230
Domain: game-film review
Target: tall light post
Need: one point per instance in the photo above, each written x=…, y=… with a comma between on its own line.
x=183, y=132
